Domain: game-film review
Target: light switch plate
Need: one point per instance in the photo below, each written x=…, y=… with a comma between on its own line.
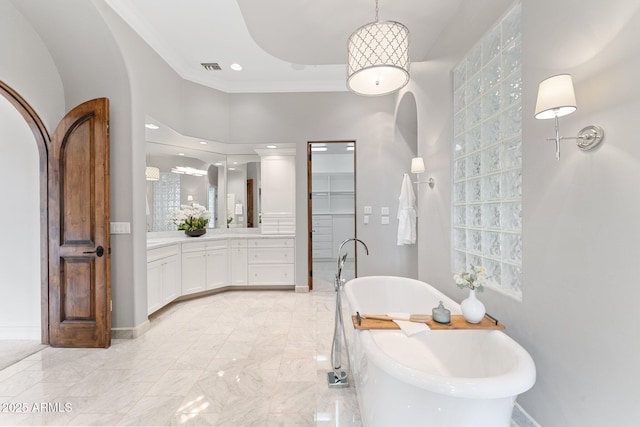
x=368, y=210
x=366, y=219
x=384, y=220
x=120, y=228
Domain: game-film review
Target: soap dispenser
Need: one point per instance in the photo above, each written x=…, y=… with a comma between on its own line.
x=441, y=314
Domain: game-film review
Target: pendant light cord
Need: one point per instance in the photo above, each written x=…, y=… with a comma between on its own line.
x=376, y=11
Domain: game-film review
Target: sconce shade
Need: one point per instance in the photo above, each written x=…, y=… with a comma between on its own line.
x=152, y=173
x=378, y=61
x=556, y=97
x=417, y=165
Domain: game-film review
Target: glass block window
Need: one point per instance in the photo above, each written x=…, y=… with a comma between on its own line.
x=213, y=199
x=166, y=198
x=487, y=153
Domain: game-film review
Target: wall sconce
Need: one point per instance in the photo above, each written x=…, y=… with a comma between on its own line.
x=417, y=167
x=556, y=98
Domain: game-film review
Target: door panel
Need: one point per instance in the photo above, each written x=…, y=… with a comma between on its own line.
x=79, y=239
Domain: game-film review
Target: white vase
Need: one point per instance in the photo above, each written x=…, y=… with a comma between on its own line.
x=472, y=308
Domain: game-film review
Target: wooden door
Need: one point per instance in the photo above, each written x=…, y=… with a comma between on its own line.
x=79, y=239
x=250, y=211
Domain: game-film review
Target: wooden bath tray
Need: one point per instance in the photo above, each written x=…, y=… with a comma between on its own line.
x=457, y=322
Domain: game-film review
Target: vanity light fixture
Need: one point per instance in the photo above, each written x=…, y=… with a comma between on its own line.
x=417, y=167
x=187, y=170
x=378, y=58
x=556, y=98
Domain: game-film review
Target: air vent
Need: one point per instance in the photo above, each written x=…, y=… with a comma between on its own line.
x=211, y=66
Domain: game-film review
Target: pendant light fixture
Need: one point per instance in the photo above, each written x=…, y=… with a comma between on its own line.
x=378, y=61
x=152, y=173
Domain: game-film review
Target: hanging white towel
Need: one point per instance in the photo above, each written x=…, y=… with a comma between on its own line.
x=406, y=213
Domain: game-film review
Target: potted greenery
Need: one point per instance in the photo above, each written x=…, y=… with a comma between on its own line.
x=193, y=219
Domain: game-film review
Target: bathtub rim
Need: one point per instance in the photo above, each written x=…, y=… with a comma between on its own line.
x=520, y=378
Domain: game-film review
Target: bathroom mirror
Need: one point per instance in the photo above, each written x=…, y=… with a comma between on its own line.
x=243, y=191
x=184, y=177
x=181, y=170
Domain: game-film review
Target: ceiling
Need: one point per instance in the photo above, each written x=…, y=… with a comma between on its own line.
x=282, y=45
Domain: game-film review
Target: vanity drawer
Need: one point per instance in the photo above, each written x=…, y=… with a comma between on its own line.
x=238, y=243
x=163, y=252
x=271, y=274
x=271, y=243
x=271, y=255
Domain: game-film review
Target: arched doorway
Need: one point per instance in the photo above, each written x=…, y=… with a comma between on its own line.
x=26, y=239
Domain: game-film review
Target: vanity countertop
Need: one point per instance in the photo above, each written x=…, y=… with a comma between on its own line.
x=158, y=240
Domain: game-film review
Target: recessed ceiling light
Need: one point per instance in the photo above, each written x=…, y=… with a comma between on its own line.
x=232, y=169
x=151, y=126
x=272, y=146
x=217, y=164
x=318, y=148
x=203, y=142
x=236, y=67
x=235, y=163
x=180, y=154
x=350, y=148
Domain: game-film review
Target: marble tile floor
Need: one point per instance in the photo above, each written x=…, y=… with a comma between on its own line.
x=242, y=358
x=12, y=351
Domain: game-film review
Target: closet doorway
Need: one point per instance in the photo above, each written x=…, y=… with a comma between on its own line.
x=331, y=209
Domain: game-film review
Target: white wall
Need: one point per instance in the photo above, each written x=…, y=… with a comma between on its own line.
x=28, y=68
x=380, y=160
x=580, y=214
x=20, y=215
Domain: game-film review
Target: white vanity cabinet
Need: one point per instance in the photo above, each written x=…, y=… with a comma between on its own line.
x=278, y=178
x=216, y=254
x=271, y=261
x=190, y=267
x=194, y=267
x=204, y=266
x=163, y=282
x=238, y=262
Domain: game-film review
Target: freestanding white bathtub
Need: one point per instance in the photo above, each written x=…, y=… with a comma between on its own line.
x=457, y=378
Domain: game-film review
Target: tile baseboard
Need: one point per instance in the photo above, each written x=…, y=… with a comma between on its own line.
x=130, y=333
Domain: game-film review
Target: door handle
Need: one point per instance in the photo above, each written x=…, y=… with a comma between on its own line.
x=99, y=251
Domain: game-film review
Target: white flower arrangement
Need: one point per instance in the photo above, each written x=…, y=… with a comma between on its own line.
x=190, y=217
x=475, y=279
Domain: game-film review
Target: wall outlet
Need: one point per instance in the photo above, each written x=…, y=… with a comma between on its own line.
x=384, y=220
x=120, y=228
x=366, y=219
x=384, y=210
